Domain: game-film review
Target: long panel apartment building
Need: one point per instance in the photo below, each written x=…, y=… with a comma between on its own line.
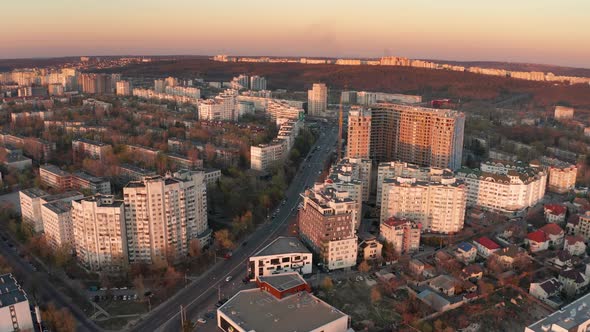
x=504, y=187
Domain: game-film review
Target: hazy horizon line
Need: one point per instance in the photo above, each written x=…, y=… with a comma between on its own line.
x=290, y=56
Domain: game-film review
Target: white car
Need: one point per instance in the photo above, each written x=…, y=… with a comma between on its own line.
x=228, y=279
x=201, y=321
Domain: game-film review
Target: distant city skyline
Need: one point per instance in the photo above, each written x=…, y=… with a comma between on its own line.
x=543, y=32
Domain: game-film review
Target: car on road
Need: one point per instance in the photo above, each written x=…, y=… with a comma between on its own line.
x=201, y=320
x=228, y=279
x=220, y=303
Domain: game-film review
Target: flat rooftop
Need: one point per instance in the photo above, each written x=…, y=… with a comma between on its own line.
x=260, y=311
x=283, y=245
x=63, y=196
x=283, y=282
x=33, y=192
x=59, y=206
x=568, y=318
x=10, y=291
x=54, y=169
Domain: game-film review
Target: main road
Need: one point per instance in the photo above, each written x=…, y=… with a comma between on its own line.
x=195, y=296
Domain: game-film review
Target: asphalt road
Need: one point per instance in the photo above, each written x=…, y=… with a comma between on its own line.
x=198, y=296
x=45, y=291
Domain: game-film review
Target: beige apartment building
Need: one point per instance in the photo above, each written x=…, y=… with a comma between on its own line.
x=562, y=178
x=99, y=233
x=163, y=214
x=563, y=113
x=124, y=88
x=57, y=224
x=317, y=100
x=326, y=224
x=403, y=234
x=85, y=148
x=504, y=187
x=439, y=206
x=419, y=135
x=264, y=156
x=359, y=133
x=393, y=169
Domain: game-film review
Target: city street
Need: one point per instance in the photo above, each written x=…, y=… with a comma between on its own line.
x=201, y=295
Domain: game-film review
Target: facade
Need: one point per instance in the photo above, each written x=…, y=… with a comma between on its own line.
x=282, y=109
x=264, y=156
x=555, y=213
x=574, y=245
x=96, y=185
x=317, y=100
x=562, y=179
x=30, y=206
x=15, y=309
x=283, y=255
x=57, y=224
x=547, y=291
x=563, y=113
x=326, y=224
x=419, y=135
x=403, y=234
x=257, y=83
x=84, y=148
x=281, y=303
x=359, y=133
x=504, y=187
x=580, y=227
x=220, y=108
x=438, y=206
x=370, y=248
x=52, y=176
x=163, y=214
x=123, y=88
x=394, y=169
x=99, y=233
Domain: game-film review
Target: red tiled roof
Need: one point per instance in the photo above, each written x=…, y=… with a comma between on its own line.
x=486, y=242
x=573, y=239
x=537, y=236
x=556, y=209
x=552, y=229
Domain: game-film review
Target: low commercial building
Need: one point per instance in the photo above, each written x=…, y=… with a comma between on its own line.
x=15, y=309
x=403, y=234
x=261, y=310
x=283, y=255
x=572, y=317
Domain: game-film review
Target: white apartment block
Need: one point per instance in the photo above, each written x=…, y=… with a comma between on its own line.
x=354, y=169
x=504, y=187
x=317, y=100
x=99, y=233
x=163, y=214
x=84, y=148
x=563, y=113
x=394, y=169
x=282, y=109
x=283, y=255
x=257, y=83
x=264, y=156
x=183, y=91
x=124, y=88
x=57, y=224
x=221, y=108
x=439, y=206
x=30, y=206
x=15, y=309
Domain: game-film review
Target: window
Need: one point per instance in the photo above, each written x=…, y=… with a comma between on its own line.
x=286, y=259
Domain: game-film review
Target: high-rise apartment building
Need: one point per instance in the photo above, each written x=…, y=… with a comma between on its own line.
x=101, y=84
x=439, y=206
x=15, y=309
x=57, y=224
x=99, y=233
x=159, y=86
x=393, y=169
x=562, y=177
x=317, y=100
x=419, y=135
x=504, y=187
x=257, y=83
x=403, y=234
x=163, y=214
x=326, y=223
x=124, y=88
x=359, y=133
x=221, y=108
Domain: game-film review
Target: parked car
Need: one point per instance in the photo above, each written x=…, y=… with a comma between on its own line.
x=201, y=320
x=228, y=279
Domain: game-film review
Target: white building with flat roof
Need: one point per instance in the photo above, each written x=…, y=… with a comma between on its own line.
x=573, y=317
x=283, y=255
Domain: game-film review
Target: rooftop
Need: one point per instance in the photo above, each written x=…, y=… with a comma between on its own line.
x=465, y=246
x=54, y=169
x=63, y=196
x=537, y=236
x=486, y=242
x=566, y=319
x=283, y=245
x=282, y=282
x=33, y=192
x=260, y=311
x=556, y=209
x=552, y=229
x=88, y=141
x=10, y=291
x=59, y=206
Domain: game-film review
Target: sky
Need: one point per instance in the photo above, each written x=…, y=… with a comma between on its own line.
x=533, y=31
